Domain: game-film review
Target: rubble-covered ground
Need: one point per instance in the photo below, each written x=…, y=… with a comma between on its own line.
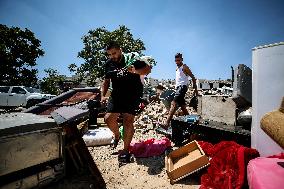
x=142, y=172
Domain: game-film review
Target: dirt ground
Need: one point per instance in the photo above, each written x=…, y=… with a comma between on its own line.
x=141, y=173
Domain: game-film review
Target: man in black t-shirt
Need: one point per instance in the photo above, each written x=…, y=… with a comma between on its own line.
x=127, y=91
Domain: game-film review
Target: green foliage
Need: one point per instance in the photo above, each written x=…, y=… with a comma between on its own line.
x=19, y=50
x=94, y=51
x=51, y=83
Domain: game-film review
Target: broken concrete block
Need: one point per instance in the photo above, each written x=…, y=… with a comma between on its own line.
x=242, y=93
x=217, y=108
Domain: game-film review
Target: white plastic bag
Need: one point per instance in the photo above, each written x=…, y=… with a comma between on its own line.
x=97, y=137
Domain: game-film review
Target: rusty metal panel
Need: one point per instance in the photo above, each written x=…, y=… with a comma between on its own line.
x=27, y=140
x=28, y=182
x=20, y=123
x=37, y=180
x=68, y=114
x=22, y=151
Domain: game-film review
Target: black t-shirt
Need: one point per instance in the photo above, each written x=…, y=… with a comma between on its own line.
x=126, y=86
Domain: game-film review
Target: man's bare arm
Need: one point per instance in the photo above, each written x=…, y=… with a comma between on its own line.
x=104, y=88
x=188, y=72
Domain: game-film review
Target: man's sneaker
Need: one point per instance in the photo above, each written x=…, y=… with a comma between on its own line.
x=124, y=158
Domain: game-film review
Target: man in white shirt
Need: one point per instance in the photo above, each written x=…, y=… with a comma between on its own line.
x=182, y=74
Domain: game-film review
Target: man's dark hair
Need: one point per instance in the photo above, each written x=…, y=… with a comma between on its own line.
x=112, y=45
x=178, y=55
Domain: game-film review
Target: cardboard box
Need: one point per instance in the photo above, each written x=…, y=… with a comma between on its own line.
x=185, y=161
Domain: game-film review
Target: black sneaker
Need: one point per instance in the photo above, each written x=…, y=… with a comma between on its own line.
x=124, y=158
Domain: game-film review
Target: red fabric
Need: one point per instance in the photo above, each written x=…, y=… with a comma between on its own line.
x=142, y=106
x=149, y=147
x=279, y=156
x=228, y=162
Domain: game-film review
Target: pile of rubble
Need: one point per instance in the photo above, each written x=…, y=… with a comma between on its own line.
x=156, y=113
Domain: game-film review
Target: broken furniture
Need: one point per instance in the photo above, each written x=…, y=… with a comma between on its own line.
x=77, y=97
x=69, y=110
x=185, y=161
x=31, y=151
x=68, y=118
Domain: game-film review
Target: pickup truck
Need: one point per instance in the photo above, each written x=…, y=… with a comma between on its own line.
x=14, y=96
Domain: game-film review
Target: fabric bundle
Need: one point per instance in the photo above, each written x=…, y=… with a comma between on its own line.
x=150, y=147
x=228, y=163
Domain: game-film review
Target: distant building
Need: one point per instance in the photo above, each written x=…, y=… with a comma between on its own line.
x=83, y=83
x=73, y=80
x=226, y=90
x=212, y=84
x=168, y=83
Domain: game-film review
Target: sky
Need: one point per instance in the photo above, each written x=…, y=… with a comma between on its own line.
x=212, y=35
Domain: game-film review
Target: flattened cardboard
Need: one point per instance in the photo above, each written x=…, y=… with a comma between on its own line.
x=185, y=161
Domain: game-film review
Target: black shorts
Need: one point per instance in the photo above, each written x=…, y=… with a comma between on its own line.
x=180, y=95
x=130, y=106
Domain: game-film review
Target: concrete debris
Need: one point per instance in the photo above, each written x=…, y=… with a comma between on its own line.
x=217, y=108
x=156, y=112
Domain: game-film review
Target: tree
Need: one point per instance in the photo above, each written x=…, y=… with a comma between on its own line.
x=94, y=51
x=19, y=50
x=51, y=83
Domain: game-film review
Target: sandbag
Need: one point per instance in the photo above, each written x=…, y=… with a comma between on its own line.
x=272, y=123
x=97, y=137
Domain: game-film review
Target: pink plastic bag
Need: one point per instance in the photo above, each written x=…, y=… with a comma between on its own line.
x=149, y=147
